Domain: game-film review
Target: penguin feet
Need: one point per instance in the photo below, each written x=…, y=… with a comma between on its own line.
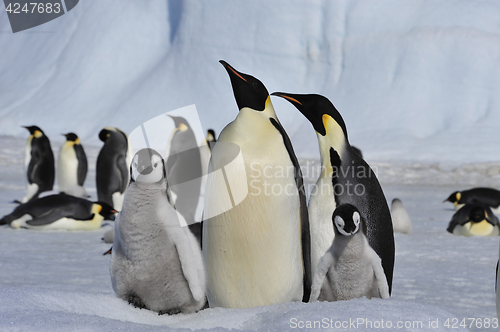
x=169, y=312
x=136, y=301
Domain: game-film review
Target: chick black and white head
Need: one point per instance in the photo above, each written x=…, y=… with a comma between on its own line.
x=347, y=220
x=147, y=167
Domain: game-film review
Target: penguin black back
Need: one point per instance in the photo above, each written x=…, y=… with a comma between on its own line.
x=112, y=172
x=41, y=169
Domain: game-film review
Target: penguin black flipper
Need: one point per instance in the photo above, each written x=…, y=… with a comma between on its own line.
x=304, y=216
x=82, y=164
x=121, y=164
x=461, y=217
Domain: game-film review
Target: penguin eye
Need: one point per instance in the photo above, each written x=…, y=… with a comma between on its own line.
x=355, y=218
x=340, y=222
x=155, y=165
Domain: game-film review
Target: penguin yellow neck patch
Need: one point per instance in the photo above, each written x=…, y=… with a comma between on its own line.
x=334, y=138
x=38, y=134
x=77, y=141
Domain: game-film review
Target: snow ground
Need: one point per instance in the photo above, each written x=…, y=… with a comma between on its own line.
x=60, y=280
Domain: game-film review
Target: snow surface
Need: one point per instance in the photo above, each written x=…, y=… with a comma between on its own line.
x=417, y=83
x=60, y=280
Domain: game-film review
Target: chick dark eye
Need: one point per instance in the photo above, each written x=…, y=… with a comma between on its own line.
x=155, y=165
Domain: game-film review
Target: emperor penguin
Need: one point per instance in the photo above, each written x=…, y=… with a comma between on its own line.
x=112, y=168
x=184, y=172
x=39, y=164
x=401, y=221
x=59, y=212
x=156, y=261
x=474, y=219
x=486, y=196
x=257, y=252
x=350, y=268
x=72, y=166
x=345, y=178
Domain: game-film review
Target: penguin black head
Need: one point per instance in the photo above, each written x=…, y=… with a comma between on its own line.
x=180, y=123
x=317, y=109
x=477, y=214
x=106, y=210
x=147, y=167
x=35, y=131
x=71, y=137
x=248, y=91
x=347, y=220
x=211, y=136
x=455, y=197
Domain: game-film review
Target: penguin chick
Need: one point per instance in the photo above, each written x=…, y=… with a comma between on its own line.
x=39, y=164
x=156, y=263
x=72, y=167
x=474, y=219
x=63, y=212
x=350, y=268
x=401, y=221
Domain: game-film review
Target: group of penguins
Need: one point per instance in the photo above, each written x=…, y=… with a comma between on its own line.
x=265, y=249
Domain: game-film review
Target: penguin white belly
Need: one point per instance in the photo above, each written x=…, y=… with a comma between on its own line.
x=321, y=207
x=63, y=224
x=21, y=221
x=27, y=153
x=117, y=198
x=67, y=168
x=483, y=228
x=31, y=191
x=253, y=251
x=401, y=220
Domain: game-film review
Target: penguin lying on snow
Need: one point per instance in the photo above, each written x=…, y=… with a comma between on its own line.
x=156, y=263
x=72, y=167
x=401, y=221
x=39, y=164
x=474, y=219
x=61, y=211
x=350, y=268
x=485, y=196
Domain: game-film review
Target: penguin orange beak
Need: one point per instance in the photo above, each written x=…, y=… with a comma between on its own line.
x=231, y=70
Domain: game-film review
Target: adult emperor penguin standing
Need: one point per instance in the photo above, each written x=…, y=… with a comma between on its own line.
x=345, y=178
x=156, y=263
x=257, y=252
x=39, y=164
x=72, y=166
x=184, y=172
x=112, y=169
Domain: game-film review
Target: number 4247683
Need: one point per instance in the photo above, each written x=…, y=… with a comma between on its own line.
x=33, y=8
x=455, y=323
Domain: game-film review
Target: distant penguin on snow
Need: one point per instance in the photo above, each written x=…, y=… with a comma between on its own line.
x=258, y=252
x=350, y=268
x=72, y=167
x=39, y=164
x=486, y=196
x=345, y=178
x=61, y=212
x=112, y=169
x=184, y=171
x=474, y=219
x=156, y=263
x=401, y=221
